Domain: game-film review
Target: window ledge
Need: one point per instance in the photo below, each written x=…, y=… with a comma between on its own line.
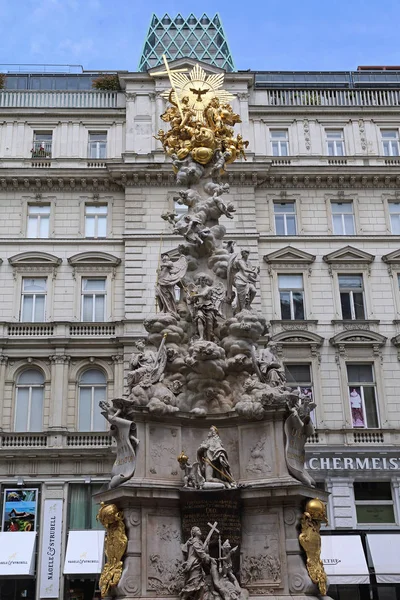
x=355, y=323
x=287, y=322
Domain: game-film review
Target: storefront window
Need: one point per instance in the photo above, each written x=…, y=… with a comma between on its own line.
x=82, y=507
x=374, y=502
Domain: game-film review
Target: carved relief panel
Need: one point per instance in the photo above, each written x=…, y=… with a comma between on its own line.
x=164, y=555
x=261, y=565
x=164, y=445
x=257, y=452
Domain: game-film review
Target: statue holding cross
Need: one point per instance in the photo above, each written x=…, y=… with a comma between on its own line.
x=208, y=578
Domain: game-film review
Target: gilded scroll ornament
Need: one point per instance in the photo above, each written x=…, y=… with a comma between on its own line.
x=115, y=545
x=310, y=540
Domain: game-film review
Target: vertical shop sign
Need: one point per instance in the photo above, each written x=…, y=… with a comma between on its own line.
x=51, y=549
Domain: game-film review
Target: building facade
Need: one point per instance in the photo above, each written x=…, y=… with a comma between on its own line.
x=83, y=183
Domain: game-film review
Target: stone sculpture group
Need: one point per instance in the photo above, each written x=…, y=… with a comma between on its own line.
x=201, y=355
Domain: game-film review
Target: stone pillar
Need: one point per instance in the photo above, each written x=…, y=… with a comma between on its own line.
x=244, y=114
x=59, y=391
x=130, y=121
x=3, y=366
x=118, y=360
x=342, y=513
x=132, y=582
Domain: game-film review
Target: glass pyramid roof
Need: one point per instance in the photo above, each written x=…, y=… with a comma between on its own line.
x=201, y=39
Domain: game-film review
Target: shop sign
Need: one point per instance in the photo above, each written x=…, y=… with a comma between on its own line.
x=19, y=509
x=349, y=463
x=51, y=549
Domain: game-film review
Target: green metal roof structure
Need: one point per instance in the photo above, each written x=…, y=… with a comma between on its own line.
x=202, y=39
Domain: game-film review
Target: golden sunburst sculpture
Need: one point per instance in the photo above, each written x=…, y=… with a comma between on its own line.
x=199, y=87
x=200, y=116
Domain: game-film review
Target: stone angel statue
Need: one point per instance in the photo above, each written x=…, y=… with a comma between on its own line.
x=146, y=366
x=169, y=274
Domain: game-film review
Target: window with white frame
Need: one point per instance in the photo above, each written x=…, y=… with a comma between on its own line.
x=279, y=142
x=285, y=218
x=335, y=142
x=390, y=142
x=42, y=144
x=92, y=389
x=351, y=290
x=299, y=377
x=362, y=395
x=97, y=144
x=33, y=299
x=291, y=294
x=96, y=220
x=29, y=401
x=38, y=223
x=374, y=502
x=394, y=213
x=343, y=218
x=93, y=299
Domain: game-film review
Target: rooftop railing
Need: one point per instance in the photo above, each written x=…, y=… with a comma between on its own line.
x=331, y=97
x=54, y=99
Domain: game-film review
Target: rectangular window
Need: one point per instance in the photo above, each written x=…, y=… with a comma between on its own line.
x=362, y=395
x=38, y=221
x=96, y=220
x=280, y=142
x=374, y=502
x=93, y=299
x=33, y=300
x=285, y=218
x=352, y=296
x=291, y=295
x=394, y=212
x=335, y=142
x=97, y=145
x=390, y=142
x=299, y=378
x=42, y=143
x=343, y=218
x=82, y=509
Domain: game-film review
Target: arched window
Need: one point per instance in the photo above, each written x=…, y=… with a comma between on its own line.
x=92, y=389
x=29, y=401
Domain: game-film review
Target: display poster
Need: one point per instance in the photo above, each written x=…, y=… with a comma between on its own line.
x=19, y=509
x=51, y=549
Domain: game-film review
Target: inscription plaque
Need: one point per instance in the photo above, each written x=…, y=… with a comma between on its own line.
x=224, y=507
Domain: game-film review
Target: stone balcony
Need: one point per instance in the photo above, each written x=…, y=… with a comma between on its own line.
x=353, y=438
x=18, y=335
x=61, y=99
x=335, y=97
x=48, y=440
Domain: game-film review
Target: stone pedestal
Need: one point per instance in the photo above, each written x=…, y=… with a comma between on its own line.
x=271, y=501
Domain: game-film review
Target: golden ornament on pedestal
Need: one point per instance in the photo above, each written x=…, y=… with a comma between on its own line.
x=115, y=545
x=310, y=540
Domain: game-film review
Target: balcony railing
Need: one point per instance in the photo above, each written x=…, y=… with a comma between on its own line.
x=57, y=329
x=54, y=99
x=41, y=149
x=95, y=439
x=333, y=97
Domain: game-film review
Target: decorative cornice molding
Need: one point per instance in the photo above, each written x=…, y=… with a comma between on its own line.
x=358, y=337
x=85, y=259
x=34, y=259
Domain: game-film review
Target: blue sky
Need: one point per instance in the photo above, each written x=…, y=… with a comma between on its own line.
x=263, y=35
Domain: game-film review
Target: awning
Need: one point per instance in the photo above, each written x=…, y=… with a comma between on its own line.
x=84, y=554
x=344, y=559
x=385, y=552
x=17, y=552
